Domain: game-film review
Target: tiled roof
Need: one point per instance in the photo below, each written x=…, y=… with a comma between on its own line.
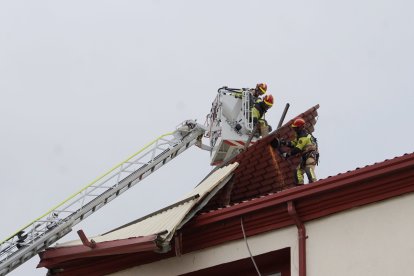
x=329, y=179
x=377, y=182
x=261, y=169
x=381, y=181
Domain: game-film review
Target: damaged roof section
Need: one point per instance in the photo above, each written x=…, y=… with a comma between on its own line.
x=261, y=168
x=150, y=233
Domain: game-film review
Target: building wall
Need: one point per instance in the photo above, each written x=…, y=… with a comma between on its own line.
x=216, y=255
x=372, y=240
x=377, y=240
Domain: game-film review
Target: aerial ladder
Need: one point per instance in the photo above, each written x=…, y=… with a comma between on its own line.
x=229, y=126
x=58, y=221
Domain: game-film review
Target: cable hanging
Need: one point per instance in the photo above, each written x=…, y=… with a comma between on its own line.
x=248, y=248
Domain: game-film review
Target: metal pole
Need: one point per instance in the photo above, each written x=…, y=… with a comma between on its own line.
x=283, y=116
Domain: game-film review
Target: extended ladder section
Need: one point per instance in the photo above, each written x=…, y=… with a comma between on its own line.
x=57, y=222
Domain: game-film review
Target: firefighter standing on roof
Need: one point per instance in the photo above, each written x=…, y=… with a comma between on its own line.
x=258, y=111
x=306, y=146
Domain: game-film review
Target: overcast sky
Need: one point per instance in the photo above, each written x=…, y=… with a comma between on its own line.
x=84, y=84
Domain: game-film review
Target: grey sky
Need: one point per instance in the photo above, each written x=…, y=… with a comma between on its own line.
x=84, y=84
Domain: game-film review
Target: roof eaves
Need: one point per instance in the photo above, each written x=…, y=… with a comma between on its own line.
x=52, y=256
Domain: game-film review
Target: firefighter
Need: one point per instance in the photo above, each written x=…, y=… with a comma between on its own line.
x=258, y=111
x=260, y=90
x=307, y=147
x=255, y=93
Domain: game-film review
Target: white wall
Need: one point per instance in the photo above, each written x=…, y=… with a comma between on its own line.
x=228, y=252
x=376, y=240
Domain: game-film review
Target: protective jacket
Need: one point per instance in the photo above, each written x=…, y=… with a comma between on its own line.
x=306, y=145
x=258, y=110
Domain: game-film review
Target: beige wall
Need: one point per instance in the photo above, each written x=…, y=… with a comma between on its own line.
x=373, y=240
x=229, y=252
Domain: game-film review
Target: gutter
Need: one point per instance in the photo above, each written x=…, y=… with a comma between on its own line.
x=301, y=237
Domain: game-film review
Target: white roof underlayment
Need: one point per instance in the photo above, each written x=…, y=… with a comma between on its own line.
x=167, y=219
